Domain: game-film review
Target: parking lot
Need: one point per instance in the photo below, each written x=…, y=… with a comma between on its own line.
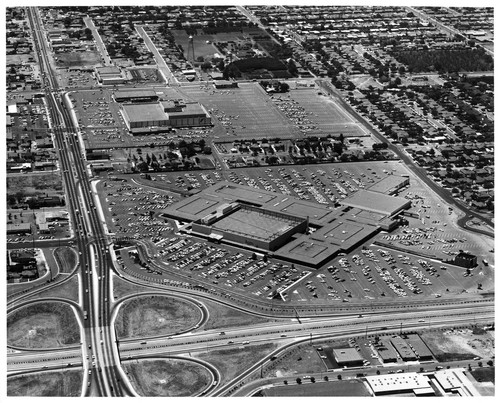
x=245, y=111
x=131, y=209
x=374, y=272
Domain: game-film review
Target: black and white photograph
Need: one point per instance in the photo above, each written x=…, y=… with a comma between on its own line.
x=248, y=200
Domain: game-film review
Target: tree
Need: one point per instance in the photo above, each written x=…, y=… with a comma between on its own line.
x=339, y=377
x=299, y=381
x=325, y=378
x=206, y=65
x=313, y=379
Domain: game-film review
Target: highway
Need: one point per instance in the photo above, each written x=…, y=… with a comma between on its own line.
x=100, y=353
x=94, y=258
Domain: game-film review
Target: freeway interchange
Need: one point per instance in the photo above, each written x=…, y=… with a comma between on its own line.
x=100, y=354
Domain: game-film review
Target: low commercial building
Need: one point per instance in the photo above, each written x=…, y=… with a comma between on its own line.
x=347, y=357
x=390, y=184
x=398, y=384
x=24, y=228
x=376, y=202
x=191, y=115
x=466, y=260
x=141, y=95
x=109, y=75
x=386, y=352
x=144, y=115
x=419, y=347
x=403, y=349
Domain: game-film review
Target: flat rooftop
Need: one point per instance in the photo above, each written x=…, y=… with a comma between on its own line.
x=193, y=109
x=145, y=112
x=376, y=202
x=346, y=355
x=255, y=224
x=399, y=382
x=108, y=70
x=141, y=93
x=388, y=184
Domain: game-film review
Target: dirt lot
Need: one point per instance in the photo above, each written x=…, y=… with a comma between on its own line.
x=60, y=383
x=43, y=325
x=299, y=360
x=73, y=59
x=169, y=377
x=155, y=315
x=460, y=344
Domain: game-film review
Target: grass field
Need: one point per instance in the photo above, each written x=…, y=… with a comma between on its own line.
x=43, y=325
x=49, y=183
x=167, y=378
x=336, y=388
x=67, y=258
x=485, y=374
x=232, y=361
x=460, y=344
x=61, y=383
x=122, y=288
x=155, y=315
x=68, y=290
x=222, y=316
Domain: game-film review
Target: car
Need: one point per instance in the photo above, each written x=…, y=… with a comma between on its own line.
x=90, y=372
x=230, y=342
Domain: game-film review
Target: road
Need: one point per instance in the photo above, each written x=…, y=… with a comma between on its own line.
x=443, y=27
x=94, y=257
x=160, y=62
x=96, y=265
x=98, y=40
x=286, y=334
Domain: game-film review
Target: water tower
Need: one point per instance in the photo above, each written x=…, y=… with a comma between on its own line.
x=190, y=50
